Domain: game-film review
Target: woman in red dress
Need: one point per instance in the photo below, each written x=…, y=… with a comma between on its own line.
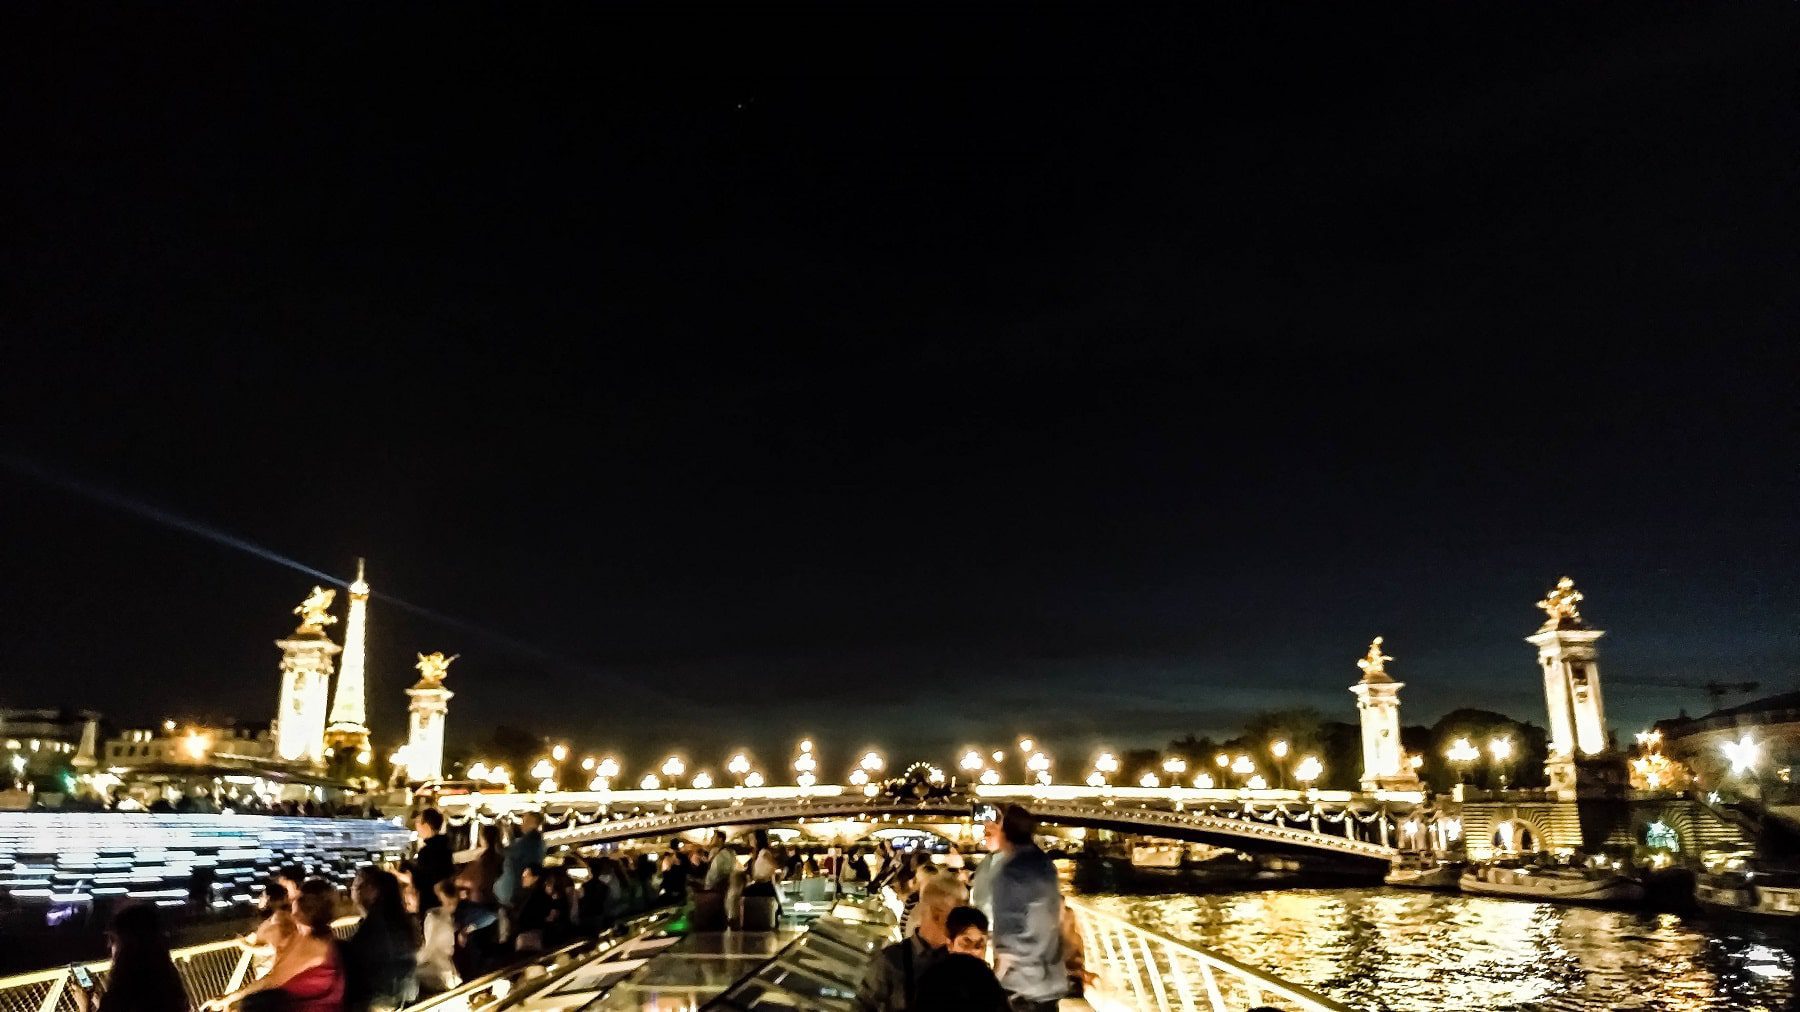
x=307, y=975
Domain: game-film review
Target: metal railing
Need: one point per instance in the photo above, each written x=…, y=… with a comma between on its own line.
x=219, y=968
x=521, y=980
x=1140, y=969
x=207, y=971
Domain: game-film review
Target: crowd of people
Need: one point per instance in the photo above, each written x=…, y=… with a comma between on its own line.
x=951, y=916
x=445, y=917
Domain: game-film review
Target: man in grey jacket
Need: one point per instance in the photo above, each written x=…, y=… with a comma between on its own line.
x=892, y=980
x=1027, y=917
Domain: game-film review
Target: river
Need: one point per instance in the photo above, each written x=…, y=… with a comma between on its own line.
x=1397, y=949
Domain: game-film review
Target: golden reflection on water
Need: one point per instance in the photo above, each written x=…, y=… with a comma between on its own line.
x=1406, y=949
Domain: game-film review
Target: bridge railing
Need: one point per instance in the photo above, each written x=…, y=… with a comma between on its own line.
x=207, y=971
x=1140, y=969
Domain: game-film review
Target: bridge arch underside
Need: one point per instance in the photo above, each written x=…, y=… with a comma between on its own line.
x=1239, y=834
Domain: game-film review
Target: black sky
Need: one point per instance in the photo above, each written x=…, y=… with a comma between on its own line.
x=913, y=376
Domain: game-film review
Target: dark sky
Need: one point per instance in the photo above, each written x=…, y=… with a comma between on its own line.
x=912, y=376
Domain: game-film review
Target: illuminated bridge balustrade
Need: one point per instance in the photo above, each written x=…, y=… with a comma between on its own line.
x=1320, y=822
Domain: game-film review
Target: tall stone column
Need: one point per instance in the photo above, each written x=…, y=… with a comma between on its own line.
x=424, y=752
x=1378, y=706
x=305, y=682
x=1577, y=714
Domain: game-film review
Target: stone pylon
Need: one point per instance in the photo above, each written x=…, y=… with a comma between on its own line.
x=1378, y=706
x=1567, y=655
x=423, y=755
x=305, y=682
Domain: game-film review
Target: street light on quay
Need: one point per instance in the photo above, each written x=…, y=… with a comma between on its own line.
x=1279, y=749
x=1309, y=770
x=1461, y=753
x=1174, y=766
x=587, y=764
x=559, y=752
x=971, y=761
x=1742, y=754
x=1501, y=749
x=1243, y=766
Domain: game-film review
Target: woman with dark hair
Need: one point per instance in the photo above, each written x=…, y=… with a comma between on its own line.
x=381, y=956
x=143, y=977
x=307, y=975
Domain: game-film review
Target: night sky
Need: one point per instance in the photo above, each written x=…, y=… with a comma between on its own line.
x=915, y=377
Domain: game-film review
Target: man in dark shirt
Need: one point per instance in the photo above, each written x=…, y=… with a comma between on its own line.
x=433, y=863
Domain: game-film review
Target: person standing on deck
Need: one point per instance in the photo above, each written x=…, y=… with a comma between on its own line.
x=525, y=851
x=433, y=863
x=1027, y=917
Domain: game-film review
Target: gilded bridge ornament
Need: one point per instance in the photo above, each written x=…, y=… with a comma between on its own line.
x=1560, y=605
x=1374, y=664
x=312, y=611
x=433, y=666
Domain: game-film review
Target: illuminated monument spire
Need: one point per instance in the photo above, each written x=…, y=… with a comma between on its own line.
x=349, y=730
x=305, y=682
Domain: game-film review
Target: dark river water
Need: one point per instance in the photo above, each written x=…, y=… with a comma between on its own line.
x=1377, y=948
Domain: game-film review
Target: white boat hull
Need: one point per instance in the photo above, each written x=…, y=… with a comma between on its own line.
x=1443, y=876
x=1744, y=898
x=1554, y=888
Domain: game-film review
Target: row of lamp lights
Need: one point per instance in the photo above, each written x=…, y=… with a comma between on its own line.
x=981, y=768
x=1463, y=754
x=603, y=772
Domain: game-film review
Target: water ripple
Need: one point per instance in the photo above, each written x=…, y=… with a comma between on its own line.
x=1401, y=950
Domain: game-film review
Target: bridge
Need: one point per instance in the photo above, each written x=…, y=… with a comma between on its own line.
x=1362, y=828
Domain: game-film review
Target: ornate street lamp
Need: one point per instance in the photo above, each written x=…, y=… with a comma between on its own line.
x=1279, y=749
x=1461, y=753
x=1501, y=749
x=1308, y=770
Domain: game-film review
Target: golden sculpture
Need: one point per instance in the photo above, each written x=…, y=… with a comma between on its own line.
x=1374, y=664
x=1560, y=604
x=312, y=611
x=433, y=666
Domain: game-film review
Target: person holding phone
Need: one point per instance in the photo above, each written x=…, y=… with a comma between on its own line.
x=143, y=976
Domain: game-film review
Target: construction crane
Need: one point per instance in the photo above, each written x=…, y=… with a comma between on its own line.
x=1716, y=691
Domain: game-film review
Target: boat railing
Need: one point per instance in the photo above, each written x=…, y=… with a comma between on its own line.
x=207, y=971
x=516, y=982
x=219, y=968
x=1137, y=968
